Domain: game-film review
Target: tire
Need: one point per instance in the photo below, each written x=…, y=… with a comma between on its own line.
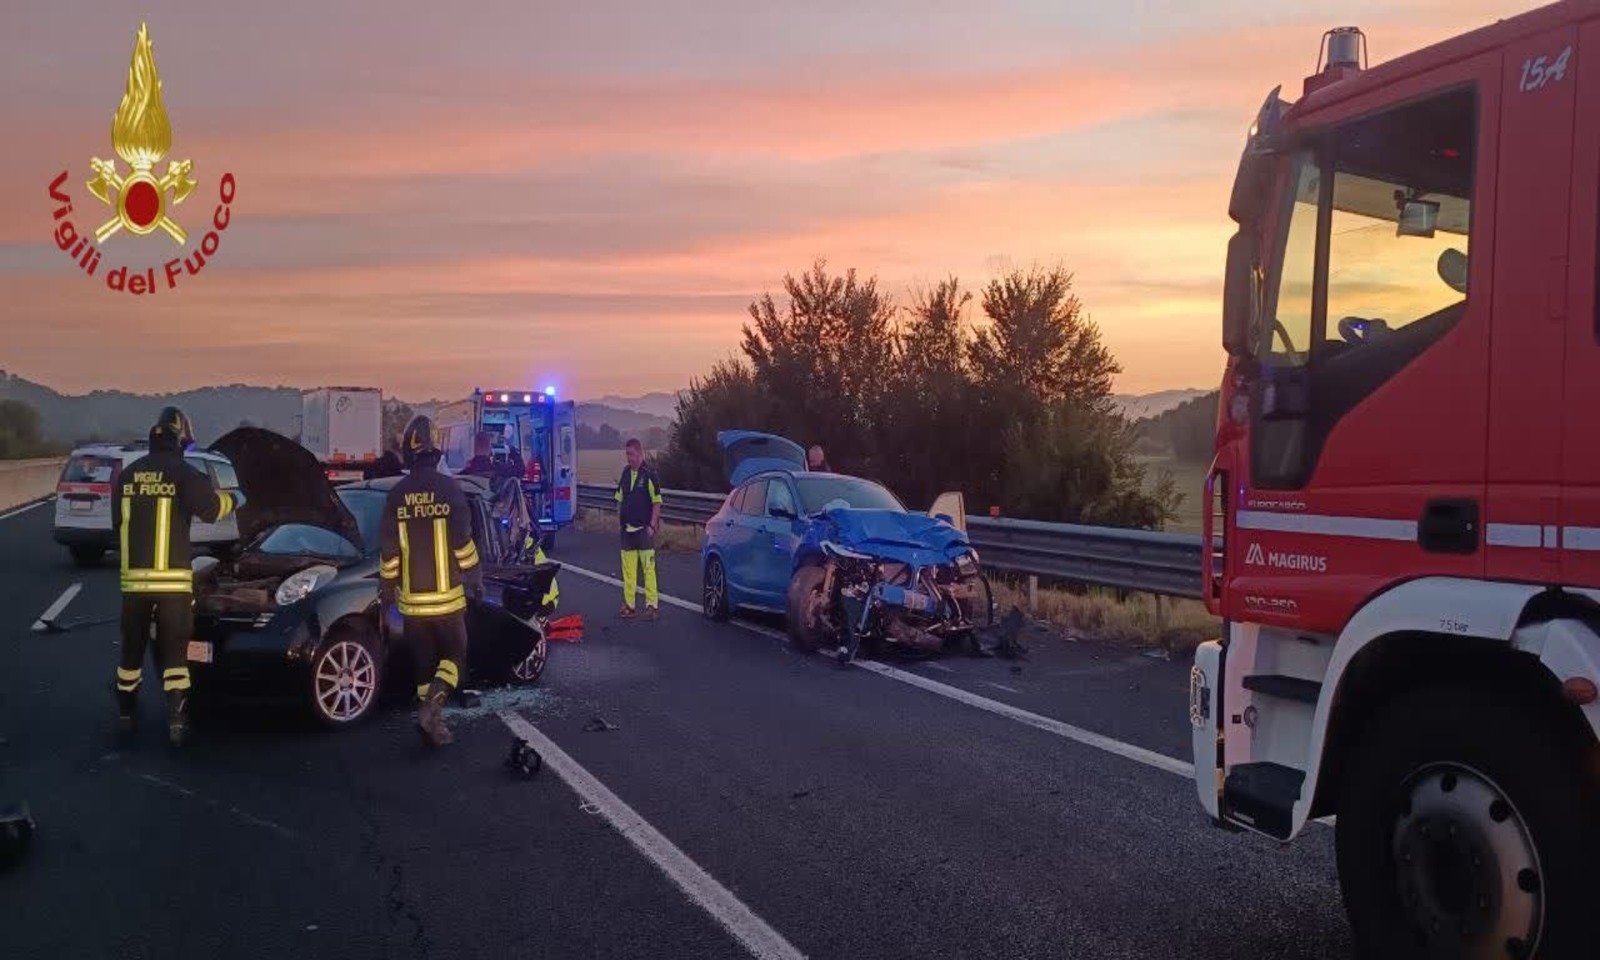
x=714, y=591
x=1471, y=813
x=805, y=585
x=528, y=672
x=86, y=556
x=346, y=678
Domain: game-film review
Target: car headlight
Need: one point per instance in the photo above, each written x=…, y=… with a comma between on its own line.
x=299, y=586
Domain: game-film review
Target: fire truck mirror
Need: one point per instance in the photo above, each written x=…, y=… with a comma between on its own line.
x=1453, y=269
x=1418, y=218
x=1239, y=293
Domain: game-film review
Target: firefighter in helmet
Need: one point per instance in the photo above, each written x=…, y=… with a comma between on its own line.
x=429, y=567
x=153, y=502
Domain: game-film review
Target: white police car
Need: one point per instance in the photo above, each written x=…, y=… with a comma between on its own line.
x=83, y=499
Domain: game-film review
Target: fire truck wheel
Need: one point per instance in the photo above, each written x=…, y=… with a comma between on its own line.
x=1463, y=832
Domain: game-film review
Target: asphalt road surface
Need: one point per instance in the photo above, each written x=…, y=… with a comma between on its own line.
x=747, y=800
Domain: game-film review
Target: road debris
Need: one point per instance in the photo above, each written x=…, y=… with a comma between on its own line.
x=599, y=724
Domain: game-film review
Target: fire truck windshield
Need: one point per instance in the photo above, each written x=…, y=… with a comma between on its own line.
x=1396, y=191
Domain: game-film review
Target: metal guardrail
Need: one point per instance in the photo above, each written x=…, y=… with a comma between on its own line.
x=1165, y=564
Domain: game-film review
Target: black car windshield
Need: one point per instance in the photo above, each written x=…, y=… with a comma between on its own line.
x=367, y=507
x=294, y=539
x=820, y=493
x=297, y=539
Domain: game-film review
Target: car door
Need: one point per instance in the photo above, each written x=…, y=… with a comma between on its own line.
x=742, y=532
x=775, y=543
x=201, y=532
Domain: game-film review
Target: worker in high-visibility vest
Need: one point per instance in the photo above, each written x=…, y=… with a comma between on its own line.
x=638, y=497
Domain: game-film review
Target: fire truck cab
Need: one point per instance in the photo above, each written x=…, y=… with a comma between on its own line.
x=1404, y=506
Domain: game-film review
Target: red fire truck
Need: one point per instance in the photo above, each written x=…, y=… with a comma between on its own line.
x=1404, y=507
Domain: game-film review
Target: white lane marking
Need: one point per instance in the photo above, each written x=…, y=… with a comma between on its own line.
x=1364, y=528
x=25, y=508
x=999, y=686
x=1089, y=738
x=752, y=932
x=247, y=818
x=1149, y=758
x=613, y=581
x=45, y=619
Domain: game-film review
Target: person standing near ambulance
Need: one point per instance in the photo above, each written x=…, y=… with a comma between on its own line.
x=428, y=562
x=154, y=500
x=638, y=497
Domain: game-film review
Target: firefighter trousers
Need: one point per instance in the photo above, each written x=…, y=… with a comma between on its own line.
x=439, y=648
x=172, y=615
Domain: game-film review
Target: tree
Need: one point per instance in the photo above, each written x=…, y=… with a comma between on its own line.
x=1040, y=342
x=1018, y=415
x=726, y=398
x=931, y=388
x=607, y=438
x=396, y=417
x=21, y=434
x=823, y=359
x=655, y=438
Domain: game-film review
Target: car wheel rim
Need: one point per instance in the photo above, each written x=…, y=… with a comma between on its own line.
x=715, y=592
x=346, y=681
x=1468, y=873
x=533, y=664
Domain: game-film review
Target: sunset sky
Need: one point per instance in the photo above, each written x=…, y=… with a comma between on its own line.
x=436, y=196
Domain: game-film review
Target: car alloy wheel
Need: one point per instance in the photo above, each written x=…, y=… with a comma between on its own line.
x=345, y=681
x=714, y=596
x=532, y=666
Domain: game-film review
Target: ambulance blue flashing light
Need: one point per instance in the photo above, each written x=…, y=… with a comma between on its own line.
x=549, y=391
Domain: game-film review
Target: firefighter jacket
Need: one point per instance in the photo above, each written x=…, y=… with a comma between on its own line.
x=425, y=544
x=153, y=502
x=637, y=492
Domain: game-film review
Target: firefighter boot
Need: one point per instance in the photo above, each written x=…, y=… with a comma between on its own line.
x=177, y=717
x=430, y=715
x=127, y=714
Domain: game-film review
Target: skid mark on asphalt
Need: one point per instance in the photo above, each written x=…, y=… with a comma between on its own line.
x=48, y=618
x=752, y=932
x=1089, y=738
x=283, y=832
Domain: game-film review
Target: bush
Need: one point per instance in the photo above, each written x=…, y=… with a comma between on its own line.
x=21, y=433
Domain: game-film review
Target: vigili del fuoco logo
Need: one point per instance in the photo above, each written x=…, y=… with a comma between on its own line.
x=140, y=201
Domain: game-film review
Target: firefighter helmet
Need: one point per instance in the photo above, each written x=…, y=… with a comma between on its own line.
x=172, y=425
x=418, y=440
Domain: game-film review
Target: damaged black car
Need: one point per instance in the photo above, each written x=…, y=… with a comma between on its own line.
x=292, y=613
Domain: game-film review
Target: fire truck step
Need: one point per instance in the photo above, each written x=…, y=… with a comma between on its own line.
x=1284, y=688
x=1263, y=796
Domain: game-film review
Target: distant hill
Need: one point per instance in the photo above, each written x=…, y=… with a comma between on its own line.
x=116, y=415
x=1143, y=406
x=624, y=420
x=661, y=404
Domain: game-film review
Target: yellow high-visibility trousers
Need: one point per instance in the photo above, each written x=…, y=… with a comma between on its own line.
x=631, y=560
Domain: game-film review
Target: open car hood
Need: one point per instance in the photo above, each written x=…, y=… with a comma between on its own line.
x=282, y=483
x=904, y=537
x=746, y=453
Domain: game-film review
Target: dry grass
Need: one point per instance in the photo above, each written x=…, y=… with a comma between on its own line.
x=1098, y=614
x=671, y=538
